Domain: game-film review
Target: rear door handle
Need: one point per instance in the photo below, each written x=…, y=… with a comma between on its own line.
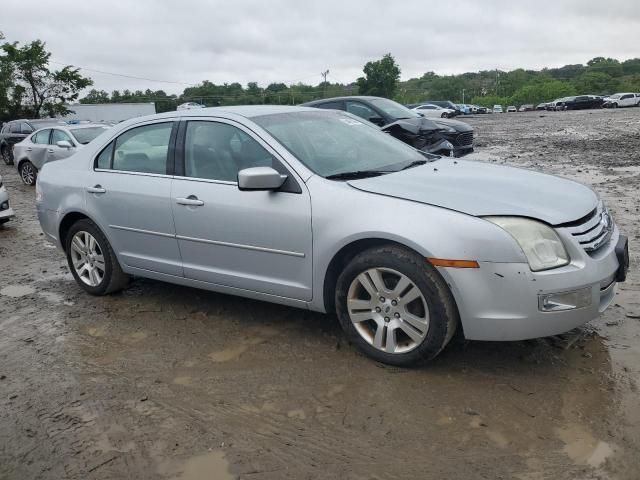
x=191, y=200
x=50, y=150
x=29, y=149
x=96, y=189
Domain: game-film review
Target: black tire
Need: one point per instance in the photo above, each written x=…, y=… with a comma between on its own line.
x=6, y=155
x=28, y=173
x=443, y=314
x=114, y=278
x=614, y=105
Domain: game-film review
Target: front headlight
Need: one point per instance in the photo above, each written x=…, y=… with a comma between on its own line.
x=539, y=242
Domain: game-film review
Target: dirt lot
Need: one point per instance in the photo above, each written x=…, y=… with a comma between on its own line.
x=163, y=381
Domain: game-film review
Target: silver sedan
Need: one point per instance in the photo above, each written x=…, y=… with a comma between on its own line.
x=319, y=210
x=50, y=144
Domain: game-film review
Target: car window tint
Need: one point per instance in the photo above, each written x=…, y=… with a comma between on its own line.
x=217, y=151
x=58, y=136
x=25, y=128
x=143, y=149
x=331, y=105
x=361, y=110
x=41, y=137
x=104, y=159
x=15, y=128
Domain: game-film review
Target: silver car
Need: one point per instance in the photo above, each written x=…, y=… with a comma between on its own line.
x=50, y=144
x=315, y=209
x=6, y=212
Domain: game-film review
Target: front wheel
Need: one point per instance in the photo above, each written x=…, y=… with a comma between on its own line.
x=28, y=173
x=6, y=156
x=92, y=261
x=394, y=306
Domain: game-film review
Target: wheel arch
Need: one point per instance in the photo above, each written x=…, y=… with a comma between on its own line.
x=347, y=252
x=67, y=222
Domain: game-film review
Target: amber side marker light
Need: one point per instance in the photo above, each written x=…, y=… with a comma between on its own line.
x=441, y=262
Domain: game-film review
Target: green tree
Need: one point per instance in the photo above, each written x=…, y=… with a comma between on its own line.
x=381, y=77
x=43, y=90
x=596, y=83
x=96, y=96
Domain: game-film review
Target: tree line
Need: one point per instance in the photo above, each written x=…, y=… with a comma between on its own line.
x=29, y=87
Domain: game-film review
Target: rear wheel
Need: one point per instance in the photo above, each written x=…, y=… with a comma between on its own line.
x=395, y=307
x=6, y=155
x=28, y=173
x=614, y=105
x=92, y=261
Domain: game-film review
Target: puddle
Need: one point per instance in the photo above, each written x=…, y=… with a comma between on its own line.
x=582, y=447
x=17, y=291
x=211, y=466
x=52, y=297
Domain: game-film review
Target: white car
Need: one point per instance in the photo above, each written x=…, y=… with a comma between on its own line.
x=497, y=109
x=622, y=100
x=511, y=109
x=6, y=212
x=434, y=111
x=189, y=106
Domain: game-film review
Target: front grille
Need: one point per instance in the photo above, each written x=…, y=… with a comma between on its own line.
x=464, y=139
x=594, y=230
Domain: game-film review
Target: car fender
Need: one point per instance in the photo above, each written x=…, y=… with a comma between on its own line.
x=432, y=232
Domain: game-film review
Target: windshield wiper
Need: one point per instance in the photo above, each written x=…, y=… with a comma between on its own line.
x=415, y=163
x=356, y=174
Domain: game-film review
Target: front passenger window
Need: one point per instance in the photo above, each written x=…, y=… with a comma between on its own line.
x=217, y=151
x=143, y=149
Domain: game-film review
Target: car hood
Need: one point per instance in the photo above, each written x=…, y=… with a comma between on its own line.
x=412, y=125
x=480, y=189
x=456, y=124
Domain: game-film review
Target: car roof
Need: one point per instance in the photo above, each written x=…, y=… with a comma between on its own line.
x=247, y=111
x=335, y=99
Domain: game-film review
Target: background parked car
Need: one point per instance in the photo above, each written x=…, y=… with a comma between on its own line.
x=483, y=110
x=497, y=109
x=6, y=212
x=405, y=124
x=622, y=100
x=542, y=106
x=50, y=144
x=511, y=109
x=189, y=106
x=17, y=130
x=582, y=102
x=444, y=104
x=526, y=108
x=434, y=111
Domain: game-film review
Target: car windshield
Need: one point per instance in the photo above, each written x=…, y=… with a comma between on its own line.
x=393, y=109
x=85, y=135
x=331, y=142
x=615, y=97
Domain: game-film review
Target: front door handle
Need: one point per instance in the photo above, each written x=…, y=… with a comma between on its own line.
x=191, y=200
x=29, y=149
x=96, y=189
x=50, y=150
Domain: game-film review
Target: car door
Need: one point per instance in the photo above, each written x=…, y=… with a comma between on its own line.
x=55, y=152
x=627, y=100
x=36, y=149
x=128, y=194
x=252, y=240
x=366, y=112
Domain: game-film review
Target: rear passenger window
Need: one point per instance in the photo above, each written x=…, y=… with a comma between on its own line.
x=143, y=149
x=41, y=137
x=104, y=159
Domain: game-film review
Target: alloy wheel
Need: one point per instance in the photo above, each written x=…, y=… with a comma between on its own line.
x=6, y=156
x=388, y=310
x=87, y=258
x=28, y=173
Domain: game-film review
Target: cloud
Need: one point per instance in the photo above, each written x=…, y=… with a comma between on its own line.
x=291, y=41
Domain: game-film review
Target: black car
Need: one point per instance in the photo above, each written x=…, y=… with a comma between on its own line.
x=583, y=102
x=436, y=135
x=17, y=130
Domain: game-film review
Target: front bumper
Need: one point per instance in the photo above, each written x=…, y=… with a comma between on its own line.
x=501, y=301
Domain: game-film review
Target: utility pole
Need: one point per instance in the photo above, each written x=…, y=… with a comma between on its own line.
x=463, y=96
x=324, y=80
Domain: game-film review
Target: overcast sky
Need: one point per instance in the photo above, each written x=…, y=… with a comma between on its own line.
x=188, y=41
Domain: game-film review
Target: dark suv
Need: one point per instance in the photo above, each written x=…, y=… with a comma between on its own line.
x=17, y=130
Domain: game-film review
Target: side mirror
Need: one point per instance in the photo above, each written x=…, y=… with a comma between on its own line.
x=64, y=144
x=260, y=178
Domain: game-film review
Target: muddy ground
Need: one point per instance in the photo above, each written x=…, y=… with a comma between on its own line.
x=162, y=381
